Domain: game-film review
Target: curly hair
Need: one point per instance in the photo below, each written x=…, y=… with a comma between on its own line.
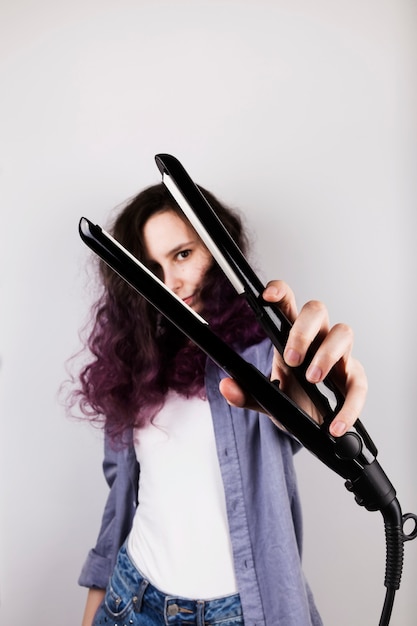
x=138, y=355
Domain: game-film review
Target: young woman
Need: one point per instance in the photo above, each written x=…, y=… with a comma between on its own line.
x=202, y=523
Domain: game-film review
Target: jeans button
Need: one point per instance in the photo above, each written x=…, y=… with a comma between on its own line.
x=172, y=610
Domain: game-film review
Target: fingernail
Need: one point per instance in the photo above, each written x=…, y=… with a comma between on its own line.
x=338, y=428
x=292, y=357
x=314, y=374
x=271, y=291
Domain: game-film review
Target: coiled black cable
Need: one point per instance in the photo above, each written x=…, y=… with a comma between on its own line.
x=394, y=538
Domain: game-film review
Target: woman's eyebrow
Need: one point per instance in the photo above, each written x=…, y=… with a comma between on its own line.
x=180, y=247
x=173, y=251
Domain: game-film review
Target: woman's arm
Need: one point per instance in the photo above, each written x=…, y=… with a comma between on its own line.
x=94, y=599
x=121, y=473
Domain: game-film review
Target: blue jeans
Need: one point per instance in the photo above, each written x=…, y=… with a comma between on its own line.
x=131, y=600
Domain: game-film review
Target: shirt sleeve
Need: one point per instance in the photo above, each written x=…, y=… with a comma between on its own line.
x=121, y=473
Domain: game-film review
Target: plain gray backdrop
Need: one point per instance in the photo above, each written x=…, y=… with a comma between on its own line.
x=301, y=114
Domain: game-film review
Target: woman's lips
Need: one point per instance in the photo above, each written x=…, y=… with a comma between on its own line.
x=188, y=300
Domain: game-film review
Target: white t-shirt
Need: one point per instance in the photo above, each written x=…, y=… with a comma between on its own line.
x=180, y=537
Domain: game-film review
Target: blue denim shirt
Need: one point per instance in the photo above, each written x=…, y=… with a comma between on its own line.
x=256, y=462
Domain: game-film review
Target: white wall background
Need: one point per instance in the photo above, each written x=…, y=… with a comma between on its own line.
x=300, y=113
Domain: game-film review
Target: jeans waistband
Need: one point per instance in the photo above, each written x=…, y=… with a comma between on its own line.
x=174, y=609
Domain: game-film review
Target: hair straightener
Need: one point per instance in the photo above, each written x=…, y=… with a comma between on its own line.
x=353, y=455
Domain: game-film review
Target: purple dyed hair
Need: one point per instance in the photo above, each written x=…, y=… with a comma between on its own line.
x=137, y=354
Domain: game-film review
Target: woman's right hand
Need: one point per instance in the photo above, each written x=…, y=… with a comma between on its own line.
x=334, y=352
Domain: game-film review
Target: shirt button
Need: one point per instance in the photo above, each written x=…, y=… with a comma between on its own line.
x=172, y=610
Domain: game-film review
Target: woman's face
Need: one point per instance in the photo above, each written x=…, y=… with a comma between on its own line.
x=176, y=254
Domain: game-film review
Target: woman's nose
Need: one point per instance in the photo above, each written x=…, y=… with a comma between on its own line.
x=172, y=278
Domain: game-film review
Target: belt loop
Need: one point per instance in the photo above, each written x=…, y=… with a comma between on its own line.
x=137, y=600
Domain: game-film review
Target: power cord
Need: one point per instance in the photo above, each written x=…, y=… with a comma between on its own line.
x=395, y=537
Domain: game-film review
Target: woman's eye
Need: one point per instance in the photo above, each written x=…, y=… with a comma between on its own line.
x=184, y=254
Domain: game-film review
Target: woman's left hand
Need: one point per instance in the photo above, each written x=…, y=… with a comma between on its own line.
x=333, y=353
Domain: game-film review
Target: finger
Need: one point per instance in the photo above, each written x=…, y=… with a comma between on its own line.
x=336, y=345
x=280, y=371
x=278, y=292
x=356, y=390
x=234, y=395
x=312, y=323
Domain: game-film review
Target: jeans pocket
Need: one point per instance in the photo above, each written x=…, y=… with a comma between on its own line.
x=118, y=602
